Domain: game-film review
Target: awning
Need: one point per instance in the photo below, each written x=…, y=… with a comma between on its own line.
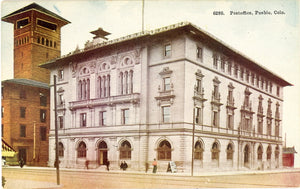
x=7, y=150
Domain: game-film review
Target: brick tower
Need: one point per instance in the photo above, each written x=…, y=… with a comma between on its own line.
x=37, y=37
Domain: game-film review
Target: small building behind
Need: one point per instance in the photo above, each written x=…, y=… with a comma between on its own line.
x=288, y=156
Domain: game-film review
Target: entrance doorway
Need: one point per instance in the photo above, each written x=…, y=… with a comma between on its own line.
x=102, y=153
x=22, y=154
x=246, y=156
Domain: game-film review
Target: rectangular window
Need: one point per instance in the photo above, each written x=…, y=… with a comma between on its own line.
x=271, y=86
x=198, y=85
x=83, y=120
x=166, y=114
x=125, y=116
x=277, y=129
x=252, y=78
x=199, y=53
x=198, y=115
x=167, y=84
x=60, y=99
x=61, y=122
x=2, y=111
x=236, y=70
x=43, y=116
x=247, y=76
x=215, y=119
x=22, y=130
x=216, y=91
x=22, y=112
x=229, y=68
x=22, y=23
x=60, y=74
x=46, y=24
x=229, y=121
x=278, y=91
x=43, y=133
x=2, y=130
x=215, y=62
x=43, y=99
x=22, y=94
x=223, y=65
x=242, y=74
x=167, y=50
x=102, y=118
x=260, y=126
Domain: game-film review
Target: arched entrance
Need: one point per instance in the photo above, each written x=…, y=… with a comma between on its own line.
x=246, y=156
x=102, y=153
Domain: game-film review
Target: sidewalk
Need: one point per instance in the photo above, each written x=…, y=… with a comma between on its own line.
x=26, y=184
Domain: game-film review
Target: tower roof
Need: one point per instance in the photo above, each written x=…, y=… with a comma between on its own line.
x=33, y=6
x=27, y=82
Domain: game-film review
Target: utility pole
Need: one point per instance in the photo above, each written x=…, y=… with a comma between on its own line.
x=34, y=142
x=193, y=141
x=143, y=6
x=56, y=134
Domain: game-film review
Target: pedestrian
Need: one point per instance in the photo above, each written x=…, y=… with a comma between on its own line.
x=154, y=166
x=122, y=165
x=21, y=163
x=107, y=165
x=87, y=164
x=146, y=167
x=125, y=166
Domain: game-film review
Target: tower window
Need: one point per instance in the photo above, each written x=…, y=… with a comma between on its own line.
x=22, y=23
x=47, y=25
x=167, y=50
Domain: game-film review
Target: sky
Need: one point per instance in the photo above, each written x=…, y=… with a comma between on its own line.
x=272, y=40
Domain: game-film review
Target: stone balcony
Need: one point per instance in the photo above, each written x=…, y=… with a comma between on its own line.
x=106, y=101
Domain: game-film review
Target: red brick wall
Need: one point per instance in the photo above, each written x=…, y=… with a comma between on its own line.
x=288, y=160
x=11, y=121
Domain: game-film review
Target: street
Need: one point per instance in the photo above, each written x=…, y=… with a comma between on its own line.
x=72, y=179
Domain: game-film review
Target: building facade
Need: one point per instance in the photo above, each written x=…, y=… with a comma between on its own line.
x=139, y=97
x=26, y=98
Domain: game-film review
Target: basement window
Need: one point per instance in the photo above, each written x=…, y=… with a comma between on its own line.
x=22, y=23
x=47, y=25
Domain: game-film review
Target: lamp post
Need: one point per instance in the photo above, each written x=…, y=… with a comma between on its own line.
x=56, y=133
x=34, y=142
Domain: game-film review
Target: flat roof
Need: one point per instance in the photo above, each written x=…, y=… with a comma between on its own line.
x=187, y=26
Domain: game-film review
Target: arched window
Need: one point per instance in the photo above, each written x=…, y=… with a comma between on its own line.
x=126, y=82
x=269, y=152
x=80, y=89
x=164, y=150
x=60, y=149
x=104, y=86
x=81, y=150
x=125, y=150
x=108, y=85
x=259, y=153
x=131, y=81
x=102, y=145
x=229, y=152
x=215, y=151
x=100, y=86
x=198, y=154
x=121, y=83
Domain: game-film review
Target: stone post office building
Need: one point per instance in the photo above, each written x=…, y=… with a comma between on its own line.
x=137, y=98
